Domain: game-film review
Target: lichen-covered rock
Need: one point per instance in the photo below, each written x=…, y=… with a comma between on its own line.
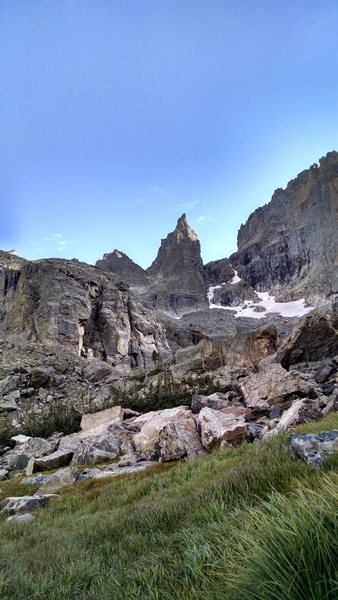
x=314, y=447
x=55, y=460
x=95, y=450
x=25, y=518
x=26, y=448
x=60, y=479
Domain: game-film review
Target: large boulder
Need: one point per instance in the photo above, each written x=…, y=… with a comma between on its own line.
x=59, y=480
x=325, y=371
x=151, y=424
x=95, y=450
x=179, y=439
x=26, y=448
x=41, y=377
x=103, y=417
x=219, y=429
x=314, y=338
x=55, y=460
x=314, y=447
x=23, y=504
x=300, y=411
x=273, y=385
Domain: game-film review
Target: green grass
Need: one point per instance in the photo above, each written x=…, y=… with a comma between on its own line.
x=232, y=525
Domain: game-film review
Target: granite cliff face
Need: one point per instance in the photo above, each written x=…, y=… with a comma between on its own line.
x=59, y=302
x=290, y=246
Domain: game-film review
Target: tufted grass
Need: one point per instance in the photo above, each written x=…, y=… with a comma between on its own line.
x=232, y=525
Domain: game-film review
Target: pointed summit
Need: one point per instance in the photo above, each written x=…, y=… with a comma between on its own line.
x=178, y=268
x=184, y=230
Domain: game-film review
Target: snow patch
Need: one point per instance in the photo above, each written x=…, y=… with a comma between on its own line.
x=236, y=278
x=295, y=308
x=210, y=293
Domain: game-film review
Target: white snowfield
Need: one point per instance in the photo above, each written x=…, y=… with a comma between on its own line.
x=236, y=278
x=295, y=308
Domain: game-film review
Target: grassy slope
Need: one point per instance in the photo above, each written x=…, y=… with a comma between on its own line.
x=250, y=522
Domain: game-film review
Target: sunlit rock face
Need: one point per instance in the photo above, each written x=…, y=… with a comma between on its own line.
x=290, y=245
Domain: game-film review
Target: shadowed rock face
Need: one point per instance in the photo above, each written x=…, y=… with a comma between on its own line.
x=80, y=307
x=313, y=339
x=218, y=272
x=119, y=263
x=177, y=273
x=9, y=265
x=291, y=245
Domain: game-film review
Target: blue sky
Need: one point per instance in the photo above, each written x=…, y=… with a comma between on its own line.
x=118, y=115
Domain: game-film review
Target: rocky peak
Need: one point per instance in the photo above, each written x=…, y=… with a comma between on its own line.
x=175, y=281
x=177, y=274
x=183, y=230
x=119, y=263
x=181, y=248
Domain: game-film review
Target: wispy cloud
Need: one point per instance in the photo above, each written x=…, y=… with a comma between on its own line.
x=188, y=205
x=200, y=219
x=149, y=194
x=53, y=237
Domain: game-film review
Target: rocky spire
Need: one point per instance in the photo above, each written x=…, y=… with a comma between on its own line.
x=179, y=250
x=177, y=271
x=183, y=230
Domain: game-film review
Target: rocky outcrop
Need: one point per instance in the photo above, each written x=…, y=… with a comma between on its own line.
x=234, y=294
x=120, y=264
x=10, y=265
x=68, y=303
x=218, y=272
x=314, y=338
x=290, y=245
